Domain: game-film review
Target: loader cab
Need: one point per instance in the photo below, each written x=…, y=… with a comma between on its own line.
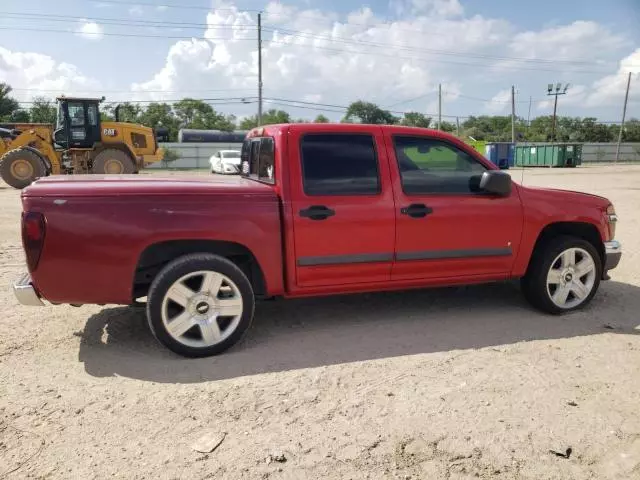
x=77, y=122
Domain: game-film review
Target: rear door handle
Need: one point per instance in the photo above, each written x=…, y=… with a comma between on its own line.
x=416, y=210
x=317, y=212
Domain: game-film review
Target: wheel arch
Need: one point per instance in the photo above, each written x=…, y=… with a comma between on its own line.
x=155, y=256
x=584, y=230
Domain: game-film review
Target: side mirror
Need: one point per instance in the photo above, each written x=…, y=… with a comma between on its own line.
x=496, y=182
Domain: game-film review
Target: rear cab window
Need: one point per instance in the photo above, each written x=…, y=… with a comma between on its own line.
x=258, y=159
x=339, y=164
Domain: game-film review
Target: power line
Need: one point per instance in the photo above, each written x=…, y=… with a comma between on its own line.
x=116, y=21
x=432, y=60
x=136, y=35
x=165, y=5
x=411, y=99
x=134, y=91
x=297, y=33
x=215, y=101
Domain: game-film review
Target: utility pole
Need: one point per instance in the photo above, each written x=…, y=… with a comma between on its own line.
x=528, y=119
x=513, y=114
x=457, y=126
x=439, y=106
x=624, y=114
x=259, y=68
x=558, y=91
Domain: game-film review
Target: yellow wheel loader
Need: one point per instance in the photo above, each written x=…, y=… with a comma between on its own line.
x=79, y=143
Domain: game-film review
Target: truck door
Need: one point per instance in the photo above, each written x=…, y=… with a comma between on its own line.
x=342, y=206
x=446, y=226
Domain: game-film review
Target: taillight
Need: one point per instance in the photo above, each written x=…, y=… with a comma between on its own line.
x=33, y=230
x=612, y=219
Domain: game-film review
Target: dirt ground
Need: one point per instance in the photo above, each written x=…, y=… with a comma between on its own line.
x=457, y=383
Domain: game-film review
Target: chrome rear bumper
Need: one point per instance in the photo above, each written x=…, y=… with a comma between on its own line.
x=25, y=292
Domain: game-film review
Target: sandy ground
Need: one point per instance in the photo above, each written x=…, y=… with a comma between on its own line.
x=457, y=383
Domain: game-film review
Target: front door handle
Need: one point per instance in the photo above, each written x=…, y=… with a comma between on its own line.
x=317, y=212
x=416, y=210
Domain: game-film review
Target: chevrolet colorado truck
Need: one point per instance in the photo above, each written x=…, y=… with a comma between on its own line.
x=320, y=209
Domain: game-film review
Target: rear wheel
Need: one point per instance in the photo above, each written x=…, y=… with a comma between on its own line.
x=20, y=167
x=564, y=275
x=113, y=162
x=200, y=305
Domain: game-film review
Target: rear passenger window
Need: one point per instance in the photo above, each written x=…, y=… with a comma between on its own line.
x=334, y=164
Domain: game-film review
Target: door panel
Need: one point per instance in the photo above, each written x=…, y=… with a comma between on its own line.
x=343, y=210
x=445, y=226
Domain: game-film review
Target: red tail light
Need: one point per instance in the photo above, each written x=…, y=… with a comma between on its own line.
x=33, y=230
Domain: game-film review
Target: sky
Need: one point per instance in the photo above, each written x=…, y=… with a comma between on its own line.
x=318, y=59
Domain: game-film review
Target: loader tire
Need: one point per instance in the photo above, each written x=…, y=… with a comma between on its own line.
x=21, y=167
x=113, y=161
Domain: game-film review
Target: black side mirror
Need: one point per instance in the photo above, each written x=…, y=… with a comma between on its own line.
x=496, y=182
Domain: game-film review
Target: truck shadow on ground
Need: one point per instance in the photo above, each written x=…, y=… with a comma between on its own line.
x=295, y=334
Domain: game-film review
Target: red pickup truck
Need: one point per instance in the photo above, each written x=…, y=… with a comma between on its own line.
x=320, y=209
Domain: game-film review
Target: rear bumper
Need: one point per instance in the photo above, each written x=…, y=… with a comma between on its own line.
x=25, y=292
x=612, y=255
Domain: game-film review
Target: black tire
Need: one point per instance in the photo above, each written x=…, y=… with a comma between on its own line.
x=113, y=162
x=534, y=283
x=21, y=167
x=176, y=270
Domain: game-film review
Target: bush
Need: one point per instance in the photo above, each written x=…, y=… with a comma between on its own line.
x=170, y=156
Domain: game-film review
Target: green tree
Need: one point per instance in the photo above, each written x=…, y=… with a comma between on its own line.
x=270, y=117
x=631, y=131
x=128, y=112
x=366, y=112
x=416, y=119
x=591, y=131
x=321, y=119
x=192, y=113
x=161, y=114
x=448, y=127
x=170, y=156
x=490, y=128
x=7, y=104
x=20, y=116
x=43, y=111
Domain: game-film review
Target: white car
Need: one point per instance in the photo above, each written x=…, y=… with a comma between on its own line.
x=226, y=162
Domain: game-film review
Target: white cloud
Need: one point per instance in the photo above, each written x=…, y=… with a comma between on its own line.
x=610, y=89
x=90, y=30
x=499, y=102
x=161, y=8
x=309, y=54
x=136, y=11
x=33, y=74
x=439, y=8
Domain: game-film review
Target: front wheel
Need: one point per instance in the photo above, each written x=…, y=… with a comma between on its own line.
x=200, y=305
x=21, y=167
x=564, y=275
x=113, y=162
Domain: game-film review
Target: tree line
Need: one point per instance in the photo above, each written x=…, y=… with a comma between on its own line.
x=197, y=114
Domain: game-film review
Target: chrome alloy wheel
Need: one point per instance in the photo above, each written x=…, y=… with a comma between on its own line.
x=571, y=278
x=202, y=309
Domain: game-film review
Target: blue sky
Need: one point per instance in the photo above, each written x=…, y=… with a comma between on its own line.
x=392, y=52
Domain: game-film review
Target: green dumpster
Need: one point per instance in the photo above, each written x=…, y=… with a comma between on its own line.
x=549, y=155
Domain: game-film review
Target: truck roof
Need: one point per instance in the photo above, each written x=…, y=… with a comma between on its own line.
x=352, y=127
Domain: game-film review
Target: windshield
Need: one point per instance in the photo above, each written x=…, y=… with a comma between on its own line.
x=231, y=154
